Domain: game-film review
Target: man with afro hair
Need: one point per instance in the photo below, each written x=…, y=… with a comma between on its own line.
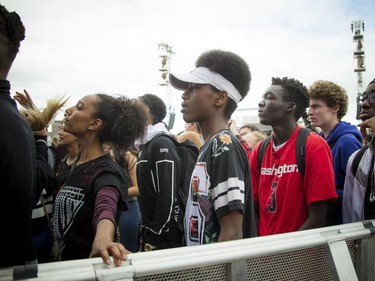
x=285, y=200
x=17, y=161
x=219, y=206
x=328, y=105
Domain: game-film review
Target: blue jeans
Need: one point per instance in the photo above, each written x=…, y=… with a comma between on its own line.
x=129, y=225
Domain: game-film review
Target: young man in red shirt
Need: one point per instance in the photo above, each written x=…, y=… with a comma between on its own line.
x=285, y=200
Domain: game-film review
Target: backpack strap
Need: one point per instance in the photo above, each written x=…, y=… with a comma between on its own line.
x=301, y=149
x=262, y=150
x=357, y=159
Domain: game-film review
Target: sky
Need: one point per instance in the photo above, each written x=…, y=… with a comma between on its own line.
x=76, y=48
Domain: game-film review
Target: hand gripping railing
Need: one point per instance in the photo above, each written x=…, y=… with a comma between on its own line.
x=239, y=259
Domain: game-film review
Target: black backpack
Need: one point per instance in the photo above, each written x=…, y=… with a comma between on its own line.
x=188, y=154
x=300, y=150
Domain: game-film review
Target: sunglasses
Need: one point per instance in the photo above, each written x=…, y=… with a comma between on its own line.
x=370, y=97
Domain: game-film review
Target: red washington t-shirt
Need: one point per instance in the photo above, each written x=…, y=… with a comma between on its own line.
x=282, y=193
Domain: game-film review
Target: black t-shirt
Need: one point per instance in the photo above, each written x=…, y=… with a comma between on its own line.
x=219, y=184
x=75, y=204
x=62, y=173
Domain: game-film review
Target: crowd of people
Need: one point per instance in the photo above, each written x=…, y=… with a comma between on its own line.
x=113, y=184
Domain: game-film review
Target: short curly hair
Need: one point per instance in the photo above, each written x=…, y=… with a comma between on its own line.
x=332, y=94
x=12, y=27
x=230, y=66
x=125, y=120
x=157, y=107
x=294, y=91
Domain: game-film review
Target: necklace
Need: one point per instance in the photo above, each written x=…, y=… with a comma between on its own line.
x=72, y=162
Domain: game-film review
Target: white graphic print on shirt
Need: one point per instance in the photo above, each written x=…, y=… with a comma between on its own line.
x=195, y=219
x=68, y=202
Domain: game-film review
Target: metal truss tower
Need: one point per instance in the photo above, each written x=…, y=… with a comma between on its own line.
x=165, y=68
x=358, y=28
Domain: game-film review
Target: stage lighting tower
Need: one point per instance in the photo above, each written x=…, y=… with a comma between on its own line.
x=165, y=68
x=358, y=28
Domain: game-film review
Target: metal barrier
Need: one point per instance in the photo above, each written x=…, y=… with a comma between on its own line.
x=344, y=252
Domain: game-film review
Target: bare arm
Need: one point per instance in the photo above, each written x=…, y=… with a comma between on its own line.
x=232, y=127
x=133, y=190
x=104, y=246
x=317, y=215
x=231, y=226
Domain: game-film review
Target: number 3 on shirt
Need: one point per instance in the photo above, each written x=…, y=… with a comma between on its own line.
x=271, y=207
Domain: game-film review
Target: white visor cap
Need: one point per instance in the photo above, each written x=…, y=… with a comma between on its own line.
x=203, y=75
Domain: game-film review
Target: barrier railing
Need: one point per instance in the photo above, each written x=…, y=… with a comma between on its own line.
x=344, y=252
